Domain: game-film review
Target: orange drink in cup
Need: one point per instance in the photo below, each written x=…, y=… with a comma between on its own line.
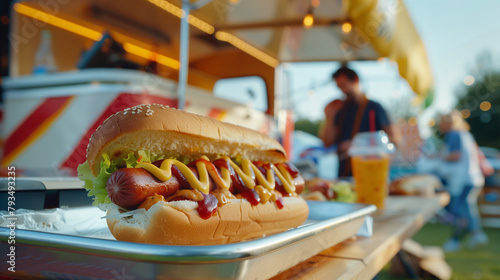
x=370, y=177
x=370, y=163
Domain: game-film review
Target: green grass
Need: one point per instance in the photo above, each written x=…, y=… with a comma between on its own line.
x=479, y=263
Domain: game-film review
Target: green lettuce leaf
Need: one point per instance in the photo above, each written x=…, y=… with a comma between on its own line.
x=150, y=157
x=131, y=160
x=144, y=156
x=96, y=186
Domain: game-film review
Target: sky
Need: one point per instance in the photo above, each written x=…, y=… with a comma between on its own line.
x=455, y=33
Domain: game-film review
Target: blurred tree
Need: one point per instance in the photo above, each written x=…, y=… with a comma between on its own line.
x=479, y=102
x=311, y=127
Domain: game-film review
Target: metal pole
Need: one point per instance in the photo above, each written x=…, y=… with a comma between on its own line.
x=183, y=56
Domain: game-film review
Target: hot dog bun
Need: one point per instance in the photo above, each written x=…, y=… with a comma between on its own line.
x=420, y=184
x=178, y=223
x=171, y=132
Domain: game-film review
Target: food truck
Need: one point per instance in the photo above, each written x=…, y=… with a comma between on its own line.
x=101, y=50
x=110, y=55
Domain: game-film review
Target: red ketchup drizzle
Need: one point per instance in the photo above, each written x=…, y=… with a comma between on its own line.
x=264, y=167
x=177, y=174
x=207, y=206
x=158, y=163
x=294, y=172
x=279, y=202
x=179, y=198
x=221, y=163
x=180, y=177
x=261, y=166
x=249, y=194
x=208, y=164
x=278, y=185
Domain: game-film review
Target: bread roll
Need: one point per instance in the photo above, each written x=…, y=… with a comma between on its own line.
x=178, y=223
x=173, y=133
x=315, y=195
x=422, y=184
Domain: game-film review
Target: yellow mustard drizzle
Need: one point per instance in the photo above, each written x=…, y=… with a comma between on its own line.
x=274, y=196
x=285, y=178
x=164, y=173
x=247, y=173
x=223, y=181
x=263, y=193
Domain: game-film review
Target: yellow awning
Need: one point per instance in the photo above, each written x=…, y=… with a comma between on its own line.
x=381, y=28
x=389, y=29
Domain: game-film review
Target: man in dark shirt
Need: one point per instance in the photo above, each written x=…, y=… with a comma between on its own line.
x=352, y=115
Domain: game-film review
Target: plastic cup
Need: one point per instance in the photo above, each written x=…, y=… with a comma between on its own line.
x=370, y=160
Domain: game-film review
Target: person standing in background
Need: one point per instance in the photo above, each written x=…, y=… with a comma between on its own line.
x=344, y=118
x=464, y=181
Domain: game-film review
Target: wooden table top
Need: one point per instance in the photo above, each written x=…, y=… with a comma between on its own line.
x=364, y=257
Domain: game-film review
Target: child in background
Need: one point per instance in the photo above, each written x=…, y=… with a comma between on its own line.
x=464, y=181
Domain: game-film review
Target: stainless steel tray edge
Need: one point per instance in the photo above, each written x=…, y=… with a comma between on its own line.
x=245, y=260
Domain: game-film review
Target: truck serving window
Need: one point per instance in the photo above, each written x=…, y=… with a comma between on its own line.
x=244, y=90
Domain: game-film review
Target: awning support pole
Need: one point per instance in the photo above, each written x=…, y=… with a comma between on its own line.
x=183, y=55
x=184, y=50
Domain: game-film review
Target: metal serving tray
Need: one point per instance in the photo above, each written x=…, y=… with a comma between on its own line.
x=63, y=256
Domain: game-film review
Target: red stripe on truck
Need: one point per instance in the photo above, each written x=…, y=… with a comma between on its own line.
x=34, y=126
x=121, y=102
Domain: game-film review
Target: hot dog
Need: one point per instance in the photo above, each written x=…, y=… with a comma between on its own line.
x=169, y=177
x=129, y=187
